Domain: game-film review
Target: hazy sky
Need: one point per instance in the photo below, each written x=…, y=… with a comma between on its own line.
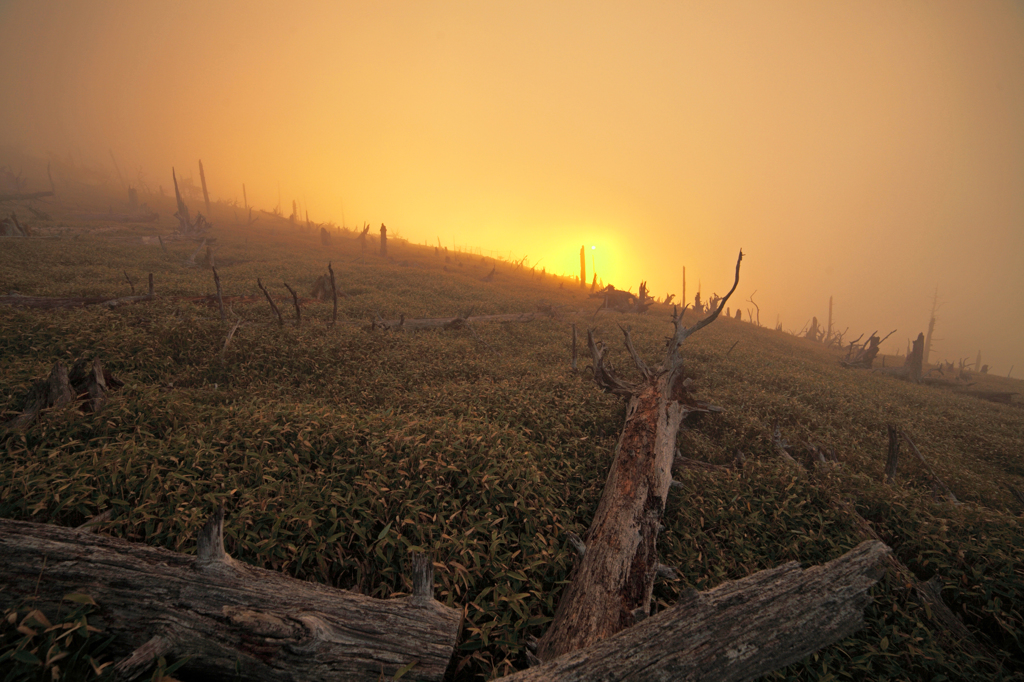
x=866, y=150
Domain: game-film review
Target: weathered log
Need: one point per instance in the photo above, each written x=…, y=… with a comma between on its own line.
x=135, y=217
x=1004, y=397
x=21, y=196
x=739, y=630
x=234, y=621
x=407, y=324
x=612, y=584
x=46, y=302
x=688, y=463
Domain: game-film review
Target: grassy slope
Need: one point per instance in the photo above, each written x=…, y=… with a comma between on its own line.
x=339, y=451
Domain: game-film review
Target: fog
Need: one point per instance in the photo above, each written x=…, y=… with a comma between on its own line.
x=868, y=151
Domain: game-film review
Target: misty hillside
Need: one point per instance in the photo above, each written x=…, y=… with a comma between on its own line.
x=338, y=449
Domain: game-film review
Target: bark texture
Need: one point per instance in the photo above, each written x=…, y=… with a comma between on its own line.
x=739, y=630
x=235, y=621
x=611, y=586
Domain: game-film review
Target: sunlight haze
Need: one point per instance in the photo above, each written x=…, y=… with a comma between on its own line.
x=868, y=151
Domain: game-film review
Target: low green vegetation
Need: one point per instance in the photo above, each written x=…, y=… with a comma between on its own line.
x=339, y=451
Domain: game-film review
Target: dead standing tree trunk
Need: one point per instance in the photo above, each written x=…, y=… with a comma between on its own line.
x=612, y=585
x=206, y=195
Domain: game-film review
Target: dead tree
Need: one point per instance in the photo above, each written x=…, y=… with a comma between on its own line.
x=295, y=300
x=232, y=620
x=612, y=585
x=813, y=332
x=864, y=357
x=202, y=179
x=758, y=308
x=334, y=295
x=624, y=301
x=362, y=238
x=280, y=320
x=383, y=240
x=23, y=196
x=186, y=225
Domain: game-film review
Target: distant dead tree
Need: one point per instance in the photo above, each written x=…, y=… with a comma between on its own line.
x=624, y=301
x=814, y=332
x=751, y=300
x=864, y=357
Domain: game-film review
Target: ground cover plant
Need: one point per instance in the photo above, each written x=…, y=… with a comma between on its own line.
x=339, y=450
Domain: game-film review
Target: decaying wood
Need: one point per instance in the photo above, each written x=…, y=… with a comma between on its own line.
x=87, y=382
x=611, y=586
x=46, y=302
x=946, y=625
x=142, y=216
x=1004, y=397
x=232, y=620
x=739, y=630
x=409, y=324
x=21, y=196
x=864, y=356
x=624, y=301
x=688, y=463
x=10, y=227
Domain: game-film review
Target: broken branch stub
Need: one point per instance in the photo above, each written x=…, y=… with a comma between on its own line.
x=612, y=584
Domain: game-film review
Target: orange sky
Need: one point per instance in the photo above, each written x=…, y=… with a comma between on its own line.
x=867, y=150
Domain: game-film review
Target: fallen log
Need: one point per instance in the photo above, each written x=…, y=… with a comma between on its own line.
x=739, y=630
x=1004, y=397
x=21, y=196
x=407, y=324
x=612, y=584
x=232, y=620
x=140, y=217
x=48, y=303
x=946, y=625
